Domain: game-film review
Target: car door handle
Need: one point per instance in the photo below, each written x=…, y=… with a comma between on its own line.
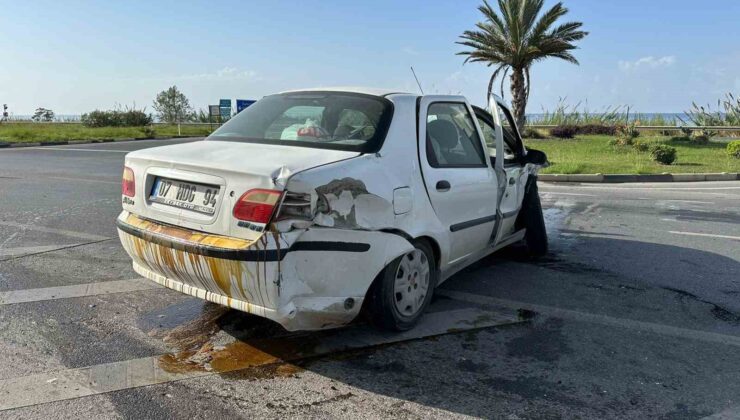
x=443, y=186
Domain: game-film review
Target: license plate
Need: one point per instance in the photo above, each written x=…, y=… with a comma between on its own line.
x=185, y=195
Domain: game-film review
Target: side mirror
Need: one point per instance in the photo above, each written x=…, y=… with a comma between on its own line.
x=535, y=157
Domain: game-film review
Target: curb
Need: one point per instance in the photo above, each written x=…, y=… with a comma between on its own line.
x=65, y=142
x=620, y=178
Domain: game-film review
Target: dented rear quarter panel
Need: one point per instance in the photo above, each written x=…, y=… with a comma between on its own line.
x=362, y=191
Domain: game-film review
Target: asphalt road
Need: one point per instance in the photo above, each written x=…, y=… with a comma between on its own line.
x=635, y=313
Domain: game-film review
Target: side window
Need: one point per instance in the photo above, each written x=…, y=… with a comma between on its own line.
x=510, y=134
x=452, y=140
x=489, y=135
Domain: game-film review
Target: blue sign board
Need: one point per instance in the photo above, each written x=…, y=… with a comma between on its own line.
x=242, y=104
x=224, y=103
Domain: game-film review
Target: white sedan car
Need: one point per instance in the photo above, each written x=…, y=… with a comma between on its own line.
x=309, y=206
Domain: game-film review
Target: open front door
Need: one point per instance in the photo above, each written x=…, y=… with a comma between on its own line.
x=461, y=183
x=509, y=166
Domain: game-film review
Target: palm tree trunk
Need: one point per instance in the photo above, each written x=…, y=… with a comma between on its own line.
x=519, y=96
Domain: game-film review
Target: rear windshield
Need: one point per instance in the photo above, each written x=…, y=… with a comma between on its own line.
x=328, y=120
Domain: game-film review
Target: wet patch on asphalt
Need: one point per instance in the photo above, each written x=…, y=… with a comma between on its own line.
x=684, y=215
x=544, y=341
x=718, y=312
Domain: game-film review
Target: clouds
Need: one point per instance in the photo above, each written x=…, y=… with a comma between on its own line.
x=649, y=62
x=226, y=73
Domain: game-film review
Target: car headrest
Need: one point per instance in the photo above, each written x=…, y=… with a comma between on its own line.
x=444, y=132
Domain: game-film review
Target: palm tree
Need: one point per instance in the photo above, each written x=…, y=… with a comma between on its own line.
x=516, y=39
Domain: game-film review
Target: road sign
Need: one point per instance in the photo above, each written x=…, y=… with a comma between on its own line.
x=242, y=104
x=225, y=108
x=214, y=110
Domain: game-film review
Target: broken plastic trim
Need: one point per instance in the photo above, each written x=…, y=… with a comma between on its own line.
x=235, y=253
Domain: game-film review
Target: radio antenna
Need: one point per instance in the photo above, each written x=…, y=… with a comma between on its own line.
x=417, y=80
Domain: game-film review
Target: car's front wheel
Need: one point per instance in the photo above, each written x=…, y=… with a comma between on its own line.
x=532, y=219
x=404, y=289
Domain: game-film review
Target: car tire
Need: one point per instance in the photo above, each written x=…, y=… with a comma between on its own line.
x=532, y=219
x=396, y=303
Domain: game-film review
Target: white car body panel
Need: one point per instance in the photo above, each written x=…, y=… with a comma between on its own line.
x=314, y=274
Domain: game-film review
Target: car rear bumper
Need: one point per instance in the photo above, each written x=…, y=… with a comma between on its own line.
x=307, y=280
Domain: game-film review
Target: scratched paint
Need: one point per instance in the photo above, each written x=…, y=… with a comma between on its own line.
x=249, y=282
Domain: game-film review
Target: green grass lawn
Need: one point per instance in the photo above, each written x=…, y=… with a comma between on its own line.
x=30, y=132
x=594, y=154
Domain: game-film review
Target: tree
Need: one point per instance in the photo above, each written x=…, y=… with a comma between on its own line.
x=43, y=114
x=517, y=38
x=172, y=106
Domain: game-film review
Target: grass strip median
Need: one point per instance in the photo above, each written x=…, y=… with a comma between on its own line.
x=595, y=155
x=56, y=132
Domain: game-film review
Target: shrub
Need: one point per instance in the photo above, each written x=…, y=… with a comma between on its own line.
x=564, y=131
x=624, y=141
x=597, y=129
x=148, y=132
x=733, y=149
x=628, y=132
x=700, y=138
x=531, y=133
x=640, y=146
x=665, y=155
x=116, y=118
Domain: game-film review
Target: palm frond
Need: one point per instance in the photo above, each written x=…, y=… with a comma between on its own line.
x=568, y=32
x=547, y=20
x=529, y=11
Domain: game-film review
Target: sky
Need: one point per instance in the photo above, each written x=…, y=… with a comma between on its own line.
x=77, y=56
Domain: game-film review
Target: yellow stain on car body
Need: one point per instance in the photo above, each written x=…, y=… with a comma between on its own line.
x=246, y=281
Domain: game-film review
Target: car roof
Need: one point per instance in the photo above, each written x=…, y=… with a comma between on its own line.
x=351, y=89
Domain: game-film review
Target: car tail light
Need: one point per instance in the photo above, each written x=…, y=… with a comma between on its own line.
x=257, y=205
x=298, y=206
x=128, y=183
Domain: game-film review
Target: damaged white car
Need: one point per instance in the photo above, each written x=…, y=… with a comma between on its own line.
x=311, y=205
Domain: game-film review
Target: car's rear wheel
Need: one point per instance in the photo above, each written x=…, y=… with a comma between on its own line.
x=404, y=289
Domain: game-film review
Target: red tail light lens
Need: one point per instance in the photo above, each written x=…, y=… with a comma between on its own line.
x=128, y=184
x=257, y=205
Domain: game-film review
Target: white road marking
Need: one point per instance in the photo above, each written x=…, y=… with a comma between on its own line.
x=732, y=413
x=57, y=149
x=63, y=178
x=92, y=380
x=563, y=193
x=26, y=250
x=43, y=229
x=689, y=201
x=662, y=187
x=76, y=290
x=709, y=235
x=605, y=320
